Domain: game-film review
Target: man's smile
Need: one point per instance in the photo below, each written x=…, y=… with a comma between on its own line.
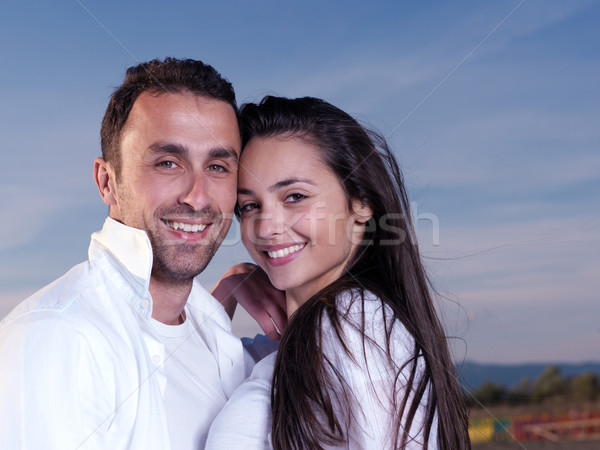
x=187, y=227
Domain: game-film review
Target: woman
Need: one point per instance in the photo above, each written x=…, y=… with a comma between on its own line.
x=363, y=361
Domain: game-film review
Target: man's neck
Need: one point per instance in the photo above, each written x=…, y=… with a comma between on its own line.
x=168, y=300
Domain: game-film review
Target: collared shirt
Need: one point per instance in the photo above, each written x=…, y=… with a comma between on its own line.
x=81, y=365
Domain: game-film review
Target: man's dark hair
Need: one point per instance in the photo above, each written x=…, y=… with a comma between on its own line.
x=169, y=76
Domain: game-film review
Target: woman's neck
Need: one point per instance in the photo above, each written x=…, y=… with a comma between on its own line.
x=294, y=300
x=291, y=304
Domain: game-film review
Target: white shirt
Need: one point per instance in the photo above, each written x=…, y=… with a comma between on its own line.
x=191, y=401
x=245, y=422
x=81, y=365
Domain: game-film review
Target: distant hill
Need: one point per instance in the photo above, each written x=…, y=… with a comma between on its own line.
x=475, y=374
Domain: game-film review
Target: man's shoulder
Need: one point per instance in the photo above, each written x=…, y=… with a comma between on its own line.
x=67, y=300
x=70, y=315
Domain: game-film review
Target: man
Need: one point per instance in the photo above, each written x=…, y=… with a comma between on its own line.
x=127, y=351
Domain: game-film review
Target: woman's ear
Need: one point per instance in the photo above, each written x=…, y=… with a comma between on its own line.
x=362, y=211
x=104, y=177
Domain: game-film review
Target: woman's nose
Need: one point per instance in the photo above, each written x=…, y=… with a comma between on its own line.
x=270, y=223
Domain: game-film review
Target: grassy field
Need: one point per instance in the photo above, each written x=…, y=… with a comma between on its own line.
x=574, y=410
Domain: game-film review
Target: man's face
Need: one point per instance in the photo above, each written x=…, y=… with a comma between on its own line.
x=179, y=156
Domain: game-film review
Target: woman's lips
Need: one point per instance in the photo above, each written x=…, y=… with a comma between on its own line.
x=277, y=256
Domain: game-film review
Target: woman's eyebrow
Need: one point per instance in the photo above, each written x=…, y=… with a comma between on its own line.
x=244, y=191
x=278, y=185
x=290, y=181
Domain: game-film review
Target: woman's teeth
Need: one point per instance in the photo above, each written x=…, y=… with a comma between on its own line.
x=285, y=251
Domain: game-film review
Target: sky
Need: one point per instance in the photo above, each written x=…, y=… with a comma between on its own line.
x=492, y=108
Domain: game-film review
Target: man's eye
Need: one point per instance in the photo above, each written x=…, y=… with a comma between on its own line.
x=166, y=164
x=216, y=168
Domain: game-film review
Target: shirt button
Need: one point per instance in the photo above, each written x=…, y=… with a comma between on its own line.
x=145, y=304
x=156, y=360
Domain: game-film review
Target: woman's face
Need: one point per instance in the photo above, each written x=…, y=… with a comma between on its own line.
x=296, y=223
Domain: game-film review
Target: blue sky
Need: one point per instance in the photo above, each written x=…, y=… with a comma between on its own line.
x=493, y=109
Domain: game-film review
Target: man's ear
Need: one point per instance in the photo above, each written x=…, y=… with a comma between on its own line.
x=362, y=211
x=104, y=176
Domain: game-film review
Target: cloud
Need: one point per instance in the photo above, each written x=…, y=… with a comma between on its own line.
x=518, y=291
x=518, y=245
x=516, y=151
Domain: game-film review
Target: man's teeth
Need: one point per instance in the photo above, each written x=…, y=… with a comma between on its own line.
x=187, y=227
x=285, y=251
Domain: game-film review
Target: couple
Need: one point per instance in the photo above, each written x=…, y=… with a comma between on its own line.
x=128, y=351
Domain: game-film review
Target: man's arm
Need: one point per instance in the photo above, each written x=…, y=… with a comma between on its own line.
x=248, y=285
x=52, y=394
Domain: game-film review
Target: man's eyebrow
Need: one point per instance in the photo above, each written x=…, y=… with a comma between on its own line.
x=164, y=147
x=177, y=149
x=223, y=152
x=279, y=185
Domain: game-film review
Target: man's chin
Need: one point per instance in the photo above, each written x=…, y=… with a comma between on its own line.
x=176, y=275
x=182, y=261
x=182, y=266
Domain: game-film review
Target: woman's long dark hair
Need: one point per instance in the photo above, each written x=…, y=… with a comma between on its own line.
x=387, y=263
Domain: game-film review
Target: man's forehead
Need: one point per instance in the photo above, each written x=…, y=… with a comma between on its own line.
x=184, y=112
x=183, y=101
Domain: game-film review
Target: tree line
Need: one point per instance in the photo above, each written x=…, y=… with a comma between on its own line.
x=549, y=386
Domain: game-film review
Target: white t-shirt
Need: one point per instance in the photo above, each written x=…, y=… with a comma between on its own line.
x=191, y=402
x=245, y=421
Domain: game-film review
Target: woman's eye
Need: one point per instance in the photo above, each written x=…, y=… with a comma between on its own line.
x=296, y=197
x=248, y=207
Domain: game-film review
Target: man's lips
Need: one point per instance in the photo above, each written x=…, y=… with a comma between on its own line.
x=284, y=251
x=184, y=226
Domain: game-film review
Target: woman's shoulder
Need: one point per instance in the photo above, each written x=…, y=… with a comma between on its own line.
x=365, y=319
x=358, y=307
x=356, y=302
x=368, y=339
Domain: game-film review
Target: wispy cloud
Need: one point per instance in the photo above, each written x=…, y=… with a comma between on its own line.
x=513, y=289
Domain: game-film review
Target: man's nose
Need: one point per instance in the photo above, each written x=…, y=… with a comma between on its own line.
x=194, y=192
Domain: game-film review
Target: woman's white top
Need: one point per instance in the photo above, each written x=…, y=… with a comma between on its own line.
x=245, y=421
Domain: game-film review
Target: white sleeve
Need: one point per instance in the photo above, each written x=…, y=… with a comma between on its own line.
x=52, y=393
x=245, y=421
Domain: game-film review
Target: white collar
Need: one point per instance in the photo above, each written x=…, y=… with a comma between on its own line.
x=131, y=254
